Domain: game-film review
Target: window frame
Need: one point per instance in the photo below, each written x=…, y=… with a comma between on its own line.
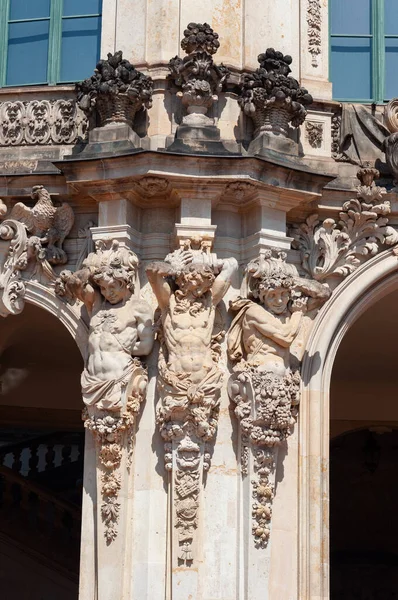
x=378, y=38
x=54, y=41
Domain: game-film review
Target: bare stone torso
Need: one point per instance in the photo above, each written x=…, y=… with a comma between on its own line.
x=188, y=339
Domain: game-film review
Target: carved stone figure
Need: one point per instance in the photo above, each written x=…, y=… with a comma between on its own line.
x=199, y=78
x=35, y=237
x=113, y=381
x=271, y=97
x=48, y=223
x=334, y=249
x=264, y=387
x=115, y=92
x=188, y=285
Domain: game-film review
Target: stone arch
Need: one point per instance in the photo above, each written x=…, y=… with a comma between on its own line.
x=42, y=297
x=368, y=284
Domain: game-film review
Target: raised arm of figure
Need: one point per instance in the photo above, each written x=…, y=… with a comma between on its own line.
x=317, y=292
x=156, y=273
x=269, y=326
x=145, y=333
x=223, y=280
x=77, y=285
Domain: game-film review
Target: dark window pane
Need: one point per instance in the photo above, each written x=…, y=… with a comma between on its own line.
x=391, y=85
x=351, y=16
x=29, y=9
x=391, y=17
x=80, y=47
x=81, y=7
x=351, y=68
x=27, y=53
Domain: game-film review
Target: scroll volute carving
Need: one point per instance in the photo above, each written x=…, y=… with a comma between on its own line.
x=114, y=379
x=35, y=239
x=335, y=248
x=265, y=386
x=188, y=285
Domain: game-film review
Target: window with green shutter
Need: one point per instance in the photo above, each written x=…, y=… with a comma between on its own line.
x=364, y=50
x=48, y=41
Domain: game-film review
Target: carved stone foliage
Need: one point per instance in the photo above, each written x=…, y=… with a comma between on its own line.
x=188, y=287
x=115, y=92
x=264, y=386
x=199, y=78
x=314, y=133
x=40, y=122
x=314, y=23
x=113, y=434
x=113, y=381
x=271, y=97
x=337, y=247
x=35, y=237
x=335, y=131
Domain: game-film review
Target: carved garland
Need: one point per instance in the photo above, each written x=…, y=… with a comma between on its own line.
x=314, y=22
x=110, y=431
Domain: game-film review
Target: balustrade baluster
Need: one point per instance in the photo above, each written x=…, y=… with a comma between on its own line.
x=17, y=462
x=34, y=459
x=66, y=452
x=50, y=457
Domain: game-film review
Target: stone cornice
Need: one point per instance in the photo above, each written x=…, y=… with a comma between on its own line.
x=149, y=178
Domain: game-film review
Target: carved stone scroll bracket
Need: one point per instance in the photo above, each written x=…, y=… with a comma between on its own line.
x=114, y=432
x=335, y=248
x=32, y=243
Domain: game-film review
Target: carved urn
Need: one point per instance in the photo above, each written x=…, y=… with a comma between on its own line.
x=271, y=97
x=115, y=92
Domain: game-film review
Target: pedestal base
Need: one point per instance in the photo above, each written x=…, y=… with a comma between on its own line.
x=271, y=141
x=114, y=138
x=190, y=139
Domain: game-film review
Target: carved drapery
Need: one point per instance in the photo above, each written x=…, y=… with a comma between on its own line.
x=41, y=122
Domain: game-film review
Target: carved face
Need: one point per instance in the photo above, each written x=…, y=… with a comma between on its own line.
x=195, y=281
x=276, y=300
x=113, y=290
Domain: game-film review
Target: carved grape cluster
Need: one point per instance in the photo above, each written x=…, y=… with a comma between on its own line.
x=200, y=37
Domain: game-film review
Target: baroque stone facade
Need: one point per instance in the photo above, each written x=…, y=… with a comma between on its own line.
x=206, y=231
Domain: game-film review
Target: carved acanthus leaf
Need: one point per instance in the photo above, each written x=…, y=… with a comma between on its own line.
x=331, y=247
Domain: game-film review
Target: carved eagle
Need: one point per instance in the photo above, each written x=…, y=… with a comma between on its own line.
x=49, y=223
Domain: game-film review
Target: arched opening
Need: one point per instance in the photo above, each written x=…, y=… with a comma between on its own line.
x=364, y=457
x=41, y=458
